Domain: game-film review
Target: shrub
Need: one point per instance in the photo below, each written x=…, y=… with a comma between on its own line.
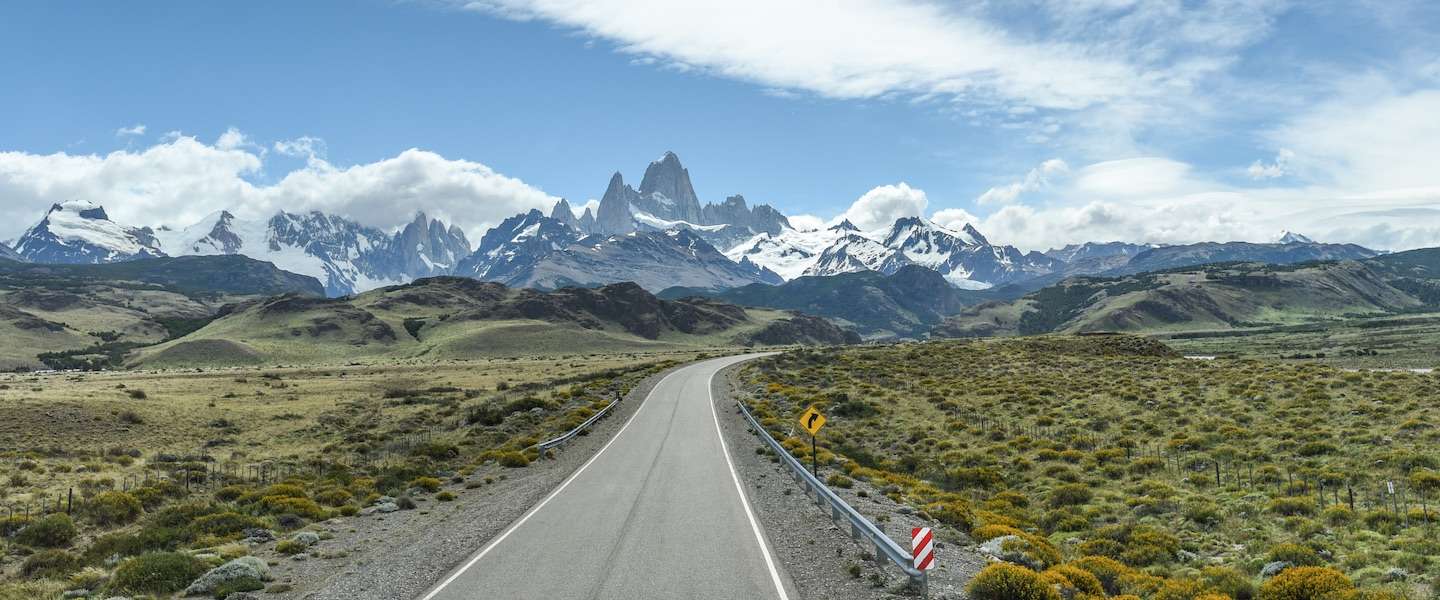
x=304, y=507
x=839, y=481
x=1181, y=589
x=53, y=531
x=513, y=459
x=1295, y=554
x=333, y=496
x=429, y=484
x=1080, y=579
x=1004, y=581
x=1228, y=581
x=1306, y=583
x=157, y=573
x=986, y=533
x=1107, y=570
x=50, y=564
x=113, y=508
x=290, y=546
x=237, y=585
x=226, y=523
x=1293, y=506
x=955, y=513
x=445, y=497
x=1073, y=494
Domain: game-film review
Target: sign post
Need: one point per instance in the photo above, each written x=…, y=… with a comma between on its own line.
x=922, y=548
x=811, y=420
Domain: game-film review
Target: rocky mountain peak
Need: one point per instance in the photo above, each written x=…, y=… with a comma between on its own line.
x=667, y=190
x=80, y=232
x=845, y=225
x=1290, y=237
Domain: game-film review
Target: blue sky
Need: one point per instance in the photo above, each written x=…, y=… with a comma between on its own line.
x=1041, y=122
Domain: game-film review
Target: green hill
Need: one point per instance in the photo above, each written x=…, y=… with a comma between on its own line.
x=1207, y=298
x=450, y=317
x=88, y=316
x=905, y=304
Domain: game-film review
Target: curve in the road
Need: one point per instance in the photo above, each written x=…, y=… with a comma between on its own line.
x=658, y=512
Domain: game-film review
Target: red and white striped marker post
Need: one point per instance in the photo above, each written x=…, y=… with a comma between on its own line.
x=922, y=547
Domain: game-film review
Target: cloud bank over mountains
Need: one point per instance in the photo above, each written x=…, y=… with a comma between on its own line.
x=181, y=179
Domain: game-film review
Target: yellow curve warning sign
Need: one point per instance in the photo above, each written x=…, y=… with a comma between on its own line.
x=812, y=420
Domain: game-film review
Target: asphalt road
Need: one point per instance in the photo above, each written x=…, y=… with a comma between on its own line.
x=658, y=512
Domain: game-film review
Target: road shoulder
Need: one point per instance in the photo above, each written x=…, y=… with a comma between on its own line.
x=400, y=555
x=819, y=557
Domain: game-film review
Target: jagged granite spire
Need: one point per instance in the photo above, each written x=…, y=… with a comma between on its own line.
x=666, y=191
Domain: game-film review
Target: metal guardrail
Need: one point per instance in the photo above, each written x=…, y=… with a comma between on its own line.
x=860, y=527
x=567, y=436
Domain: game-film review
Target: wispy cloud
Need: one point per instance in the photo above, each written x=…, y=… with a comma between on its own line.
x=133, y=130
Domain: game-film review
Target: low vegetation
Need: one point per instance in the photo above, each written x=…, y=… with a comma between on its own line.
x=106, y=490
x=1160, y=477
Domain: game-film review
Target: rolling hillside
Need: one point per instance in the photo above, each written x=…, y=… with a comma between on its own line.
x=86, y=316
x=1208, y=298
x=451, y=317
x=905, y=304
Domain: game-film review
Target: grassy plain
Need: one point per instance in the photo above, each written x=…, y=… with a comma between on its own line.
x=1111, y=447
x=333, y=438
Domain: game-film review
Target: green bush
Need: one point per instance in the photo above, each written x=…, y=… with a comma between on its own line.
x=289, y=547
x=225, y=523
x=50, y=564
x=157, y=573
x=1073, y=494
x=1004, y=581
x=1107, y=570
x=234, y=586
x=1293, y=506
x=445, y=497
x=1307, y=583
x=513, y=460
x=113, y=508
x=955, y=513
x=1228, y=581
x=304, y=507
x=52, y=531
x=1295, y=554
x=1083, y=581
x=429, y=484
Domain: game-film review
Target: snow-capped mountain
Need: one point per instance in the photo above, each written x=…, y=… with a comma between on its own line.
x=964, y=257
x=1290, y=237
x=346, y=256
x=9, y=254
x=532, y=250
x=80, y=232
x=666, y=200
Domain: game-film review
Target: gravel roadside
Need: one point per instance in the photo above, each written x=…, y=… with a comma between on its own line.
x=818, y=555
x=400, y=555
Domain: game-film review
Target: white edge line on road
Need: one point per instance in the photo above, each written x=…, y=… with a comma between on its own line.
x=744, y=499
x=493, y=543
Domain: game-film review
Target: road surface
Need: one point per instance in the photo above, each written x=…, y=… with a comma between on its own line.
x=658, y=512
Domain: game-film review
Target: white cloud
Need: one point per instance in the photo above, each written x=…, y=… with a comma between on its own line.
x=179, y=181
x=1372, y=137
x=1036, y=179
x=850, y=49
x=305, y=146
x=881, y=206
x=805, y=222
x=1133, y=178
x=955, y=218
x=233, y=139
x=133, y=130
x=1279, y=167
